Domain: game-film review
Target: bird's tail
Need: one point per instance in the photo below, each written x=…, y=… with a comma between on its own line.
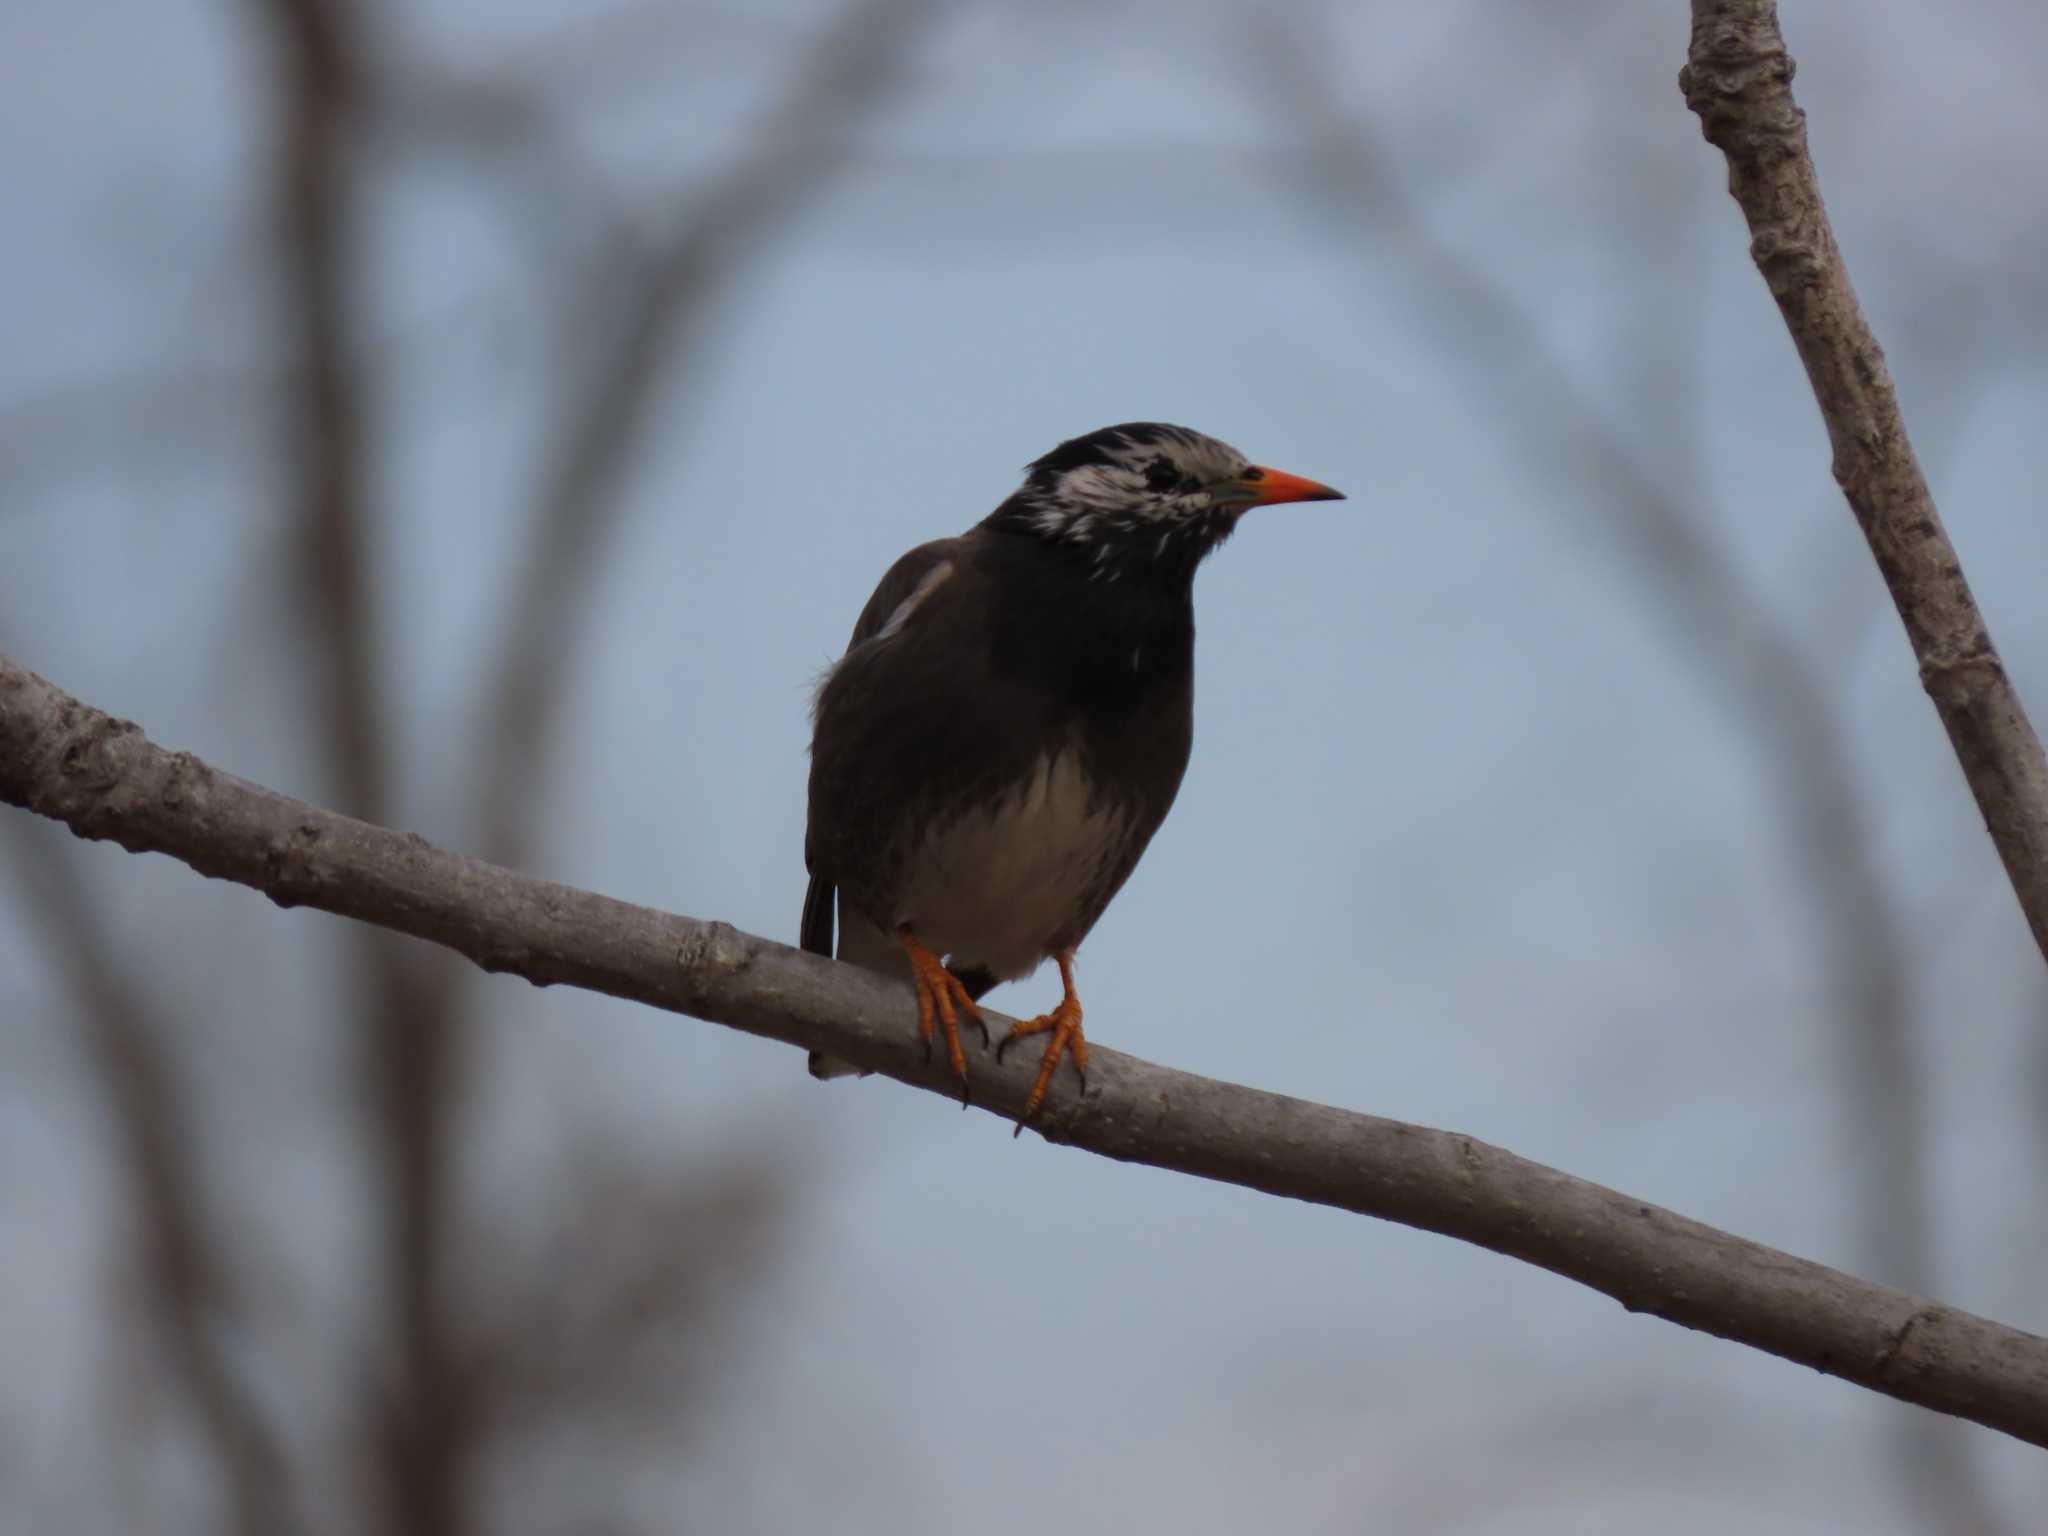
x=861, y=943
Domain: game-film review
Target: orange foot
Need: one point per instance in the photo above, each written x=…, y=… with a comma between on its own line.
x=1064, y=1025
x=941, y=999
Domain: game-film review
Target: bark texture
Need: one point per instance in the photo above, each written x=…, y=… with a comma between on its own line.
x=1738, y=79
x=104, y=779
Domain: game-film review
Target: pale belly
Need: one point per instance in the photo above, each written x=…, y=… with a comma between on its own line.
x=997, y=888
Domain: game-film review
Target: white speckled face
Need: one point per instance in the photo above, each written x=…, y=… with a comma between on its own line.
x=1136, y=492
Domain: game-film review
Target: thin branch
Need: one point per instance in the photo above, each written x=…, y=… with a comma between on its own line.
x=1738, y=79
x=104, y=779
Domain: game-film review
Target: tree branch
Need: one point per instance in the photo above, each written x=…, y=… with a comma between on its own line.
x=1738, y=79
x=104, y=779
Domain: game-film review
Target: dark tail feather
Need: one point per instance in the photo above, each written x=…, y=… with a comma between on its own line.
x=816, y=936
x=816, y=933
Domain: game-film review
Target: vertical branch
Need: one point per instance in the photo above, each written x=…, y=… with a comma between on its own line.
x=430, y=1429
x=1738, y=79
x=413, y=1049
x=646, y=328
x=316, y=236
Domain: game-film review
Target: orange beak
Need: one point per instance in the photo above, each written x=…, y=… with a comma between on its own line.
x=1262, y=487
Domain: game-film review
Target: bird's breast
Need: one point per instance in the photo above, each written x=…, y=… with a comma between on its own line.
x=1004, y=884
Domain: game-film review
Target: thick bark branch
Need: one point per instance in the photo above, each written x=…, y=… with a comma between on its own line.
x=1738, y=79
x=104, y=779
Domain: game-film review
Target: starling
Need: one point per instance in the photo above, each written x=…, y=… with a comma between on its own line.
x=1010, y=723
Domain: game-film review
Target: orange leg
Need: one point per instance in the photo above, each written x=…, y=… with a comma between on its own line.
x=941, y=999
x=1064, y=1025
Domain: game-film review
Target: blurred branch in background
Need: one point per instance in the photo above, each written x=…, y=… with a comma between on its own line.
x=1778, y=694
x=469, y=1354
x=632, y=1344
x=423, y=1432
x=629, y=324
x=646, y=310
x=320, y=248
x=189, y=1303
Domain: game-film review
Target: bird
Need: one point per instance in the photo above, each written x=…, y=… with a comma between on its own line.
x=1009, y=726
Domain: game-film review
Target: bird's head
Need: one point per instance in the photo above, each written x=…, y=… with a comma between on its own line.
x=1145, y=497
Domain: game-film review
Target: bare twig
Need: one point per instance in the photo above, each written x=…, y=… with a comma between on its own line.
x=104, y=779
x=1738, y=79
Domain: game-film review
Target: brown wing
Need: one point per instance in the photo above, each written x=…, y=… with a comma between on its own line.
x=905, y=580
x=899, y=584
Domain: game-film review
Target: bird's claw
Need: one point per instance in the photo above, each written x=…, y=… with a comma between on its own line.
x=941, y=999
x=1064, y=1025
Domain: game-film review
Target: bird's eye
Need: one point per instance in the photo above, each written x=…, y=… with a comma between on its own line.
x=1162, y=477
